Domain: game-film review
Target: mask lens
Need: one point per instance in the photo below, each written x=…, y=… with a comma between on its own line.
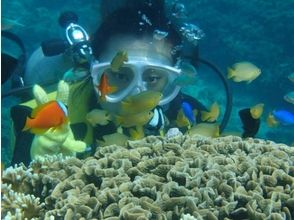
x=155, y=79
x=121, y=79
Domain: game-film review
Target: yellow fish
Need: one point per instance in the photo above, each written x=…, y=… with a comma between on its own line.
x=141, y=102
x=98, y=116
x=257, y=110
x=212, y=115
x=182, y=120
x=137, y=133
x=118, y=60
x=115, y=138
x=271, y=121
x=139, y=119
x=243, y=71
x=205, y=129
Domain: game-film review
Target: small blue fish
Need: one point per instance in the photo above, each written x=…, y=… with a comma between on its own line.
x=188, y=112
x=284, y=117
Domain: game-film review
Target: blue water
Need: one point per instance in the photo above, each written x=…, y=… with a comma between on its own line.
x=257, y=31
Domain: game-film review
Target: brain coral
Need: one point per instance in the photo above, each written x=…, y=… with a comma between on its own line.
x=178, y=177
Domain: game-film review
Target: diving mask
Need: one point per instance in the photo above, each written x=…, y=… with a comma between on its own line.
x=138, y=75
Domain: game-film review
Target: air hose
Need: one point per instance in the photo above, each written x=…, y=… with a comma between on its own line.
x=229, y=96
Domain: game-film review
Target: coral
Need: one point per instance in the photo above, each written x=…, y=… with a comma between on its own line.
x=160, y=178
x=20, y=205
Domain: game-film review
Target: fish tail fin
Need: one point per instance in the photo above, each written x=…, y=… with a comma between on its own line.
x=231, y=73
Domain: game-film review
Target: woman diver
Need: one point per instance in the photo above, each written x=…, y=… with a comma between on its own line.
x=141, y=30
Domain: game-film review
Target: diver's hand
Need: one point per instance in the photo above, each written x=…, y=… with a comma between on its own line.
x=55, y=140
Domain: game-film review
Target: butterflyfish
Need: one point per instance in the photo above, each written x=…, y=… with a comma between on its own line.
x=118, y=60
x=49, y=115
x=243, y=71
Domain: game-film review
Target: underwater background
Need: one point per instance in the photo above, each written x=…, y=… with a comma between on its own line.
x=174, y=176
x=257, y=31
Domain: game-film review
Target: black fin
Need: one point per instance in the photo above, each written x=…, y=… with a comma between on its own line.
x=22, y=149
x=79, y=130
x=19, y=114
x=250, y=125
x=24, y=139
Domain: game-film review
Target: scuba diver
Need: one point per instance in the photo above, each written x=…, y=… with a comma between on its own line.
x=136, y=56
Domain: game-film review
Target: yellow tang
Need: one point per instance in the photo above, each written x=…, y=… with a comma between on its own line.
x=243, y=71
x=257, y=110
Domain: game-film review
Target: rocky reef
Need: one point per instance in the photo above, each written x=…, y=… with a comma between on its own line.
x=157, y=178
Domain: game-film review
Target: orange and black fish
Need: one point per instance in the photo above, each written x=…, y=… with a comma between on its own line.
x=49, y=115
x=104, y=88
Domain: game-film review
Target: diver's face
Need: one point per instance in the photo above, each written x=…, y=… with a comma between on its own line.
x=139, y=76
x=148, y=67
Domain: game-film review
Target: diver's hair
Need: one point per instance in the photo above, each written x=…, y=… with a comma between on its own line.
x=127, y=21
